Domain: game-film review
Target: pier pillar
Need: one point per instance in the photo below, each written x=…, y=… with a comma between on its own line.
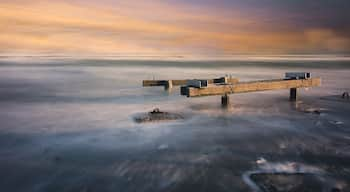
x=168, y=85
x=293, y=94
x=225, y=101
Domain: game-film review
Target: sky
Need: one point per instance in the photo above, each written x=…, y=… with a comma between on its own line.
x=174, y=27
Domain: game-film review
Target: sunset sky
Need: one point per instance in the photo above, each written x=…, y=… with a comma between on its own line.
x=174, y=27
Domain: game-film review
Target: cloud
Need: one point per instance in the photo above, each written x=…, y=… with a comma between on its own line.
x=151, y=28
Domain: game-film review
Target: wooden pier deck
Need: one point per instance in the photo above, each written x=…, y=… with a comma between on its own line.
x=254, y=86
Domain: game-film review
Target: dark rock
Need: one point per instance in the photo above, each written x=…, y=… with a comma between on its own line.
x=157, y=115
x=315, y=111
x=291, y=182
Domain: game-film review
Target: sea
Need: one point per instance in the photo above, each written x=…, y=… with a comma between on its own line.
x=69, y=125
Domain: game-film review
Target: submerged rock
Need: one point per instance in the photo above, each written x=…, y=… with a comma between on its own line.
x=336, y=122
x=316, y=111
x=345, y=95
x=291, y=182
x=157, y=115
x=289, y=177
x=300, y=106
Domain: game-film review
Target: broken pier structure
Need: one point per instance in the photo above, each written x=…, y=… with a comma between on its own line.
x=225, y=86
x=292, y=81
x=168, y=84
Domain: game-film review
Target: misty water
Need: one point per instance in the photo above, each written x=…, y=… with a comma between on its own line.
x=67, y=125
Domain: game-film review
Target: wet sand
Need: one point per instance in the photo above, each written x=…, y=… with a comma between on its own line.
x=71, y=128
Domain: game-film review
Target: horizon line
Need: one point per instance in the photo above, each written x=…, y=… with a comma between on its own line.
x=182, y=57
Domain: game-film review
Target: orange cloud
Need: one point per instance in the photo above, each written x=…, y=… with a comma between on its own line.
x=156, y=28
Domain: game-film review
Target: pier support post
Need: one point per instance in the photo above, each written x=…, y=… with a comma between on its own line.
x=168, y=85
x=225, y=101
x=293, y=94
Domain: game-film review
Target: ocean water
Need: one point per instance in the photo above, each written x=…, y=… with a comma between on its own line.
x=67, y=125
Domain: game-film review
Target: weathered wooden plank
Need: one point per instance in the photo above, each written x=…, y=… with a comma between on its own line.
x=244, y=87
x=151, y=83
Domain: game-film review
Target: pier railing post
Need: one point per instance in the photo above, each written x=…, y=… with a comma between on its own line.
x=168, y=85
x=293, y=94
x=225, y=101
